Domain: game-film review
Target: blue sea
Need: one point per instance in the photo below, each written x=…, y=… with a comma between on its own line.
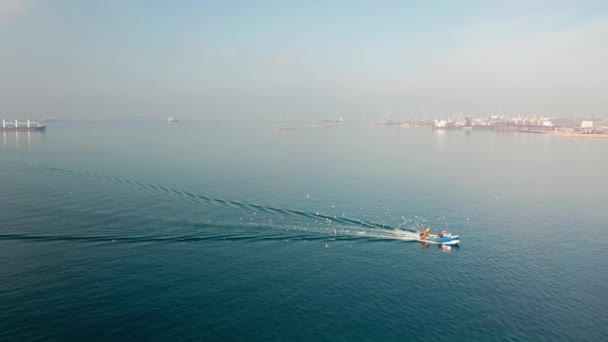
x=221, y=231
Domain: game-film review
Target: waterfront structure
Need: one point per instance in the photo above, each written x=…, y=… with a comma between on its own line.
x=587, y=126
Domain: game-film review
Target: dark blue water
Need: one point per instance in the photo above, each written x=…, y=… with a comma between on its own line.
x=228, y=231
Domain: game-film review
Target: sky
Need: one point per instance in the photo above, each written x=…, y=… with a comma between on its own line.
x=301, y=59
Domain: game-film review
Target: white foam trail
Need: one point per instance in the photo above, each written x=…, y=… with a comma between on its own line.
x=404, y=235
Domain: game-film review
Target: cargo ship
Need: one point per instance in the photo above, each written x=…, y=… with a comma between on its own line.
x=19, y=126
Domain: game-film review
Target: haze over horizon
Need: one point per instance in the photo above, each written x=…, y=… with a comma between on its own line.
x=273, y=59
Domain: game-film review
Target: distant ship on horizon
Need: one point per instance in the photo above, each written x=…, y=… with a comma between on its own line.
x=172, y=120
x=338, y=120
x=18, y=126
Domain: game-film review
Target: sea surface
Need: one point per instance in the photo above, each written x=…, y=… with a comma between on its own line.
x=218, y=230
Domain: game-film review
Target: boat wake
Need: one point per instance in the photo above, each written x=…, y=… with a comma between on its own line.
x=103, y=222
x=258, y=236
x=223, y=203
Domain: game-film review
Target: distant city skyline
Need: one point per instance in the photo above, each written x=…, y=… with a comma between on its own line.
x=310, y=60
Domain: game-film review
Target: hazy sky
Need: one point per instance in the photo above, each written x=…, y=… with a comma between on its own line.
x=301, y=59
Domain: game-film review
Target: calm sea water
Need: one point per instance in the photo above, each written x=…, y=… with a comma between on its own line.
x=231, y=231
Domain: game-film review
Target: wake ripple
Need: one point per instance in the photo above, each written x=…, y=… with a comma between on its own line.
x=185, y=196
x=209, y=237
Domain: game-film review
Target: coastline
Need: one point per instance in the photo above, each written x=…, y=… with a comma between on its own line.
x=580, y=135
